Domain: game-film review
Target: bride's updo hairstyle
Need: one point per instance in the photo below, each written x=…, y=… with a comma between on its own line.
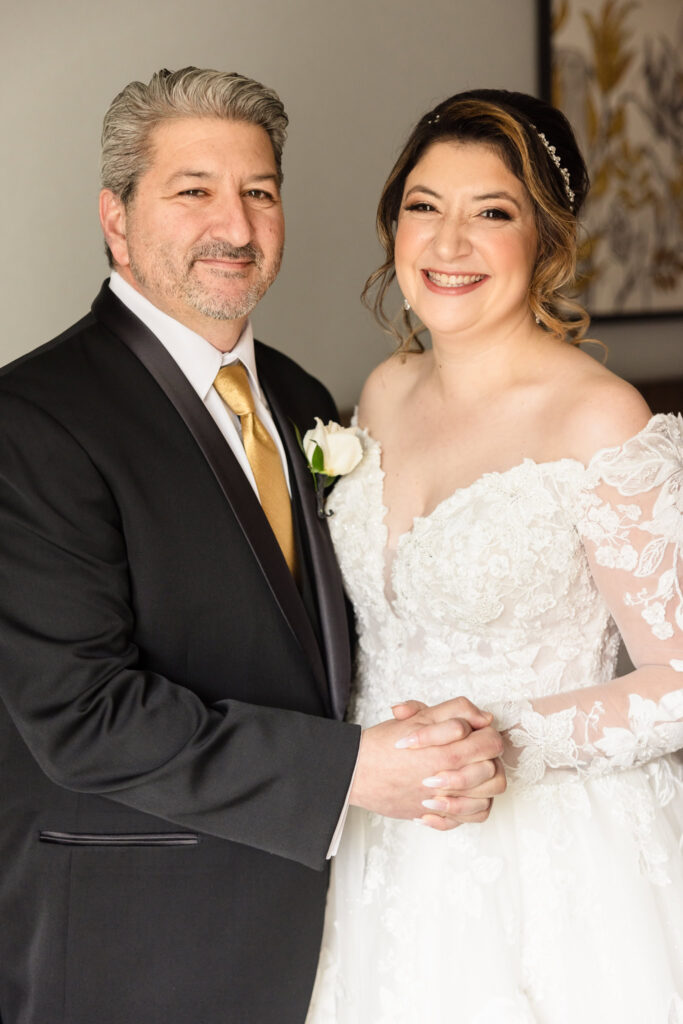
x=536, y=143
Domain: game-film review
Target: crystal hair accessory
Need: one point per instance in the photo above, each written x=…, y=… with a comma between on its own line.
x=566, y=180
x=433, y=118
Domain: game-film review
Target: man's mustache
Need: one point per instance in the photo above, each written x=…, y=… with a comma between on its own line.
x=223, y=251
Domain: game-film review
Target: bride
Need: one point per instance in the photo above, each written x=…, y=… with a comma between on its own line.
x=516, y=510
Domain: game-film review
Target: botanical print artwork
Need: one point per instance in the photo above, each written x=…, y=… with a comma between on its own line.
x=617, y=73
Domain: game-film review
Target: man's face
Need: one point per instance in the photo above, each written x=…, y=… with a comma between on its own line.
x=202, y=237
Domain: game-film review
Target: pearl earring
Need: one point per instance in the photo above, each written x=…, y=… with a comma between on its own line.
x=406, y=305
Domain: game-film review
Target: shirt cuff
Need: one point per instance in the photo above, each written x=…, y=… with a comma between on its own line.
x=336, y=838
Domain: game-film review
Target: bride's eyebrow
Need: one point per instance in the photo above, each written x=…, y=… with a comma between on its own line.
x=424, y=189
x=479, y=198
x=497, y=195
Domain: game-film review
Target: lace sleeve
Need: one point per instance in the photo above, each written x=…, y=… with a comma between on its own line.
x=630, y=518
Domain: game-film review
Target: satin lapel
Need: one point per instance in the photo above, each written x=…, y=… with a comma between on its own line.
x=225, y=467
x=327, y=577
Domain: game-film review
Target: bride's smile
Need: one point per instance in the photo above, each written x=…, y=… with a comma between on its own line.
x=456, y=284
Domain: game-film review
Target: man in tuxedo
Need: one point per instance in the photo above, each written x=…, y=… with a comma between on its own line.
x=174, y=653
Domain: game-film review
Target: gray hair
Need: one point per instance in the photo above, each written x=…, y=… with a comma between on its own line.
x=190, y=92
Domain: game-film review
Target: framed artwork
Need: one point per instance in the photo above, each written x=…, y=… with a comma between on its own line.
x=615, y=67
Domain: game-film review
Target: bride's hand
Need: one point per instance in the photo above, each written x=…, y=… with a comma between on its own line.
x=465, y=793
x=451, y=739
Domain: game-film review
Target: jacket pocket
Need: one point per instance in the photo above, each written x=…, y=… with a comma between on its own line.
x=119, y=838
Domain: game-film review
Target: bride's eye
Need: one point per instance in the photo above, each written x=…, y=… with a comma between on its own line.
x=496, y=214
x=419, y=207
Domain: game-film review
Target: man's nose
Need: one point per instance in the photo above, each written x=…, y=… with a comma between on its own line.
x=231, y=222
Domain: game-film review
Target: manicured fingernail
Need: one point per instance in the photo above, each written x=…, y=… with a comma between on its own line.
x=407, y=741
x=419, y=821
x=435, y=805
x=435, y=781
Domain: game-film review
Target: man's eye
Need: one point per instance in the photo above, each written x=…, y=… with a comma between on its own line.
x=192, y=192
x=260, y=193
x=495, y=214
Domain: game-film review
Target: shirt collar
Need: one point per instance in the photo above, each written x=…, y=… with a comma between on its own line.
x=196, y=357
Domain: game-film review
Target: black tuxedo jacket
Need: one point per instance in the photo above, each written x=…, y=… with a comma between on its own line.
x=172, y=757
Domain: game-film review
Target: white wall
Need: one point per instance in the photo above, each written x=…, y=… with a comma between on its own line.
x=354, y=77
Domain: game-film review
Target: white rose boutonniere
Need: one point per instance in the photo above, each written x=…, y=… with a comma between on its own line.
x=331, y=451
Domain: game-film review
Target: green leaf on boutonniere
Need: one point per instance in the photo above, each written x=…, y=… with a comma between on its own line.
x=318, y=460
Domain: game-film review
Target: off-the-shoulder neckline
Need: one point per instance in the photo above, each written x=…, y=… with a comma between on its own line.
x=655, y=421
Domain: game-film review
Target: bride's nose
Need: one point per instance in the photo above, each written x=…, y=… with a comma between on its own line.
x=452, y=239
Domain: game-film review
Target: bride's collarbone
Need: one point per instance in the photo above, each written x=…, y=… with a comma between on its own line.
x=436, y=453
x=434, y=468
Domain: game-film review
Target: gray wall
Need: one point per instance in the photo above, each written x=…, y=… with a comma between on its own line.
x=354, y=76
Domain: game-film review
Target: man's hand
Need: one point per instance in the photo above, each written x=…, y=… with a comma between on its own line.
x=446, y=754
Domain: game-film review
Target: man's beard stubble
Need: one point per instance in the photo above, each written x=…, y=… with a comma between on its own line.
x=197, y=295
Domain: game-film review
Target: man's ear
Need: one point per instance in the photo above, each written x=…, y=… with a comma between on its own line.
x=113, y=221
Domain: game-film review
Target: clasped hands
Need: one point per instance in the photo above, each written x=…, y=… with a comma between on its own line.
x=439, y=765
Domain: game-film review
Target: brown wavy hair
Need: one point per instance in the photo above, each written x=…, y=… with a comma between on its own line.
x=511, y=124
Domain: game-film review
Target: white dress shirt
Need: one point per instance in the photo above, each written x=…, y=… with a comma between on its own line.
x=200, y=363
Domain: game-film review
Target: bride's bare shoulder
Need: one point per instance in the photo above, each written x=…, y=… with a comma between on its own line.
x=598, y=409
x=387, y=385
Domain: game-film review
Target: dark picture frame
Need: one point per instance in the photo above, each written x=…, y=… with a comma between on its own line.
x=613, y=66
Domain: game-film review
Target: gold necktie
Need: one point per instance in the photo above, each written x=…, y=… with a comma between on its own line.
x=232, y=384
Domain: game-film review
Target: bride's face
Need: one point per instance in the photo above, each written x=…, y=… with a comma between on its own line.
x=465, y=241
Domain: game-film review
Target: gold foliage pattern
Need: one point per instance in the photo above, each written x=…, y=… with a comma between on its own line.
x=609, y=35
x=618, y=76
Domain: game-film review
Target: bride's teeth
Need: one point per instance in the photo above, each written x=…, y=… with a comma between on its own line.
x=453, y=280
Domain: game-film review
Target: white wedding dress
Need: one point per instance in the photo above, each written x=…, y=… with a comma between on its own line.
x=566, y=906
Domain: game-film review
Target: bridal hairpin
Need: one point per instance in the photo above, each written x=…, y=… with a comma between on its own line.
x=552, y=153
